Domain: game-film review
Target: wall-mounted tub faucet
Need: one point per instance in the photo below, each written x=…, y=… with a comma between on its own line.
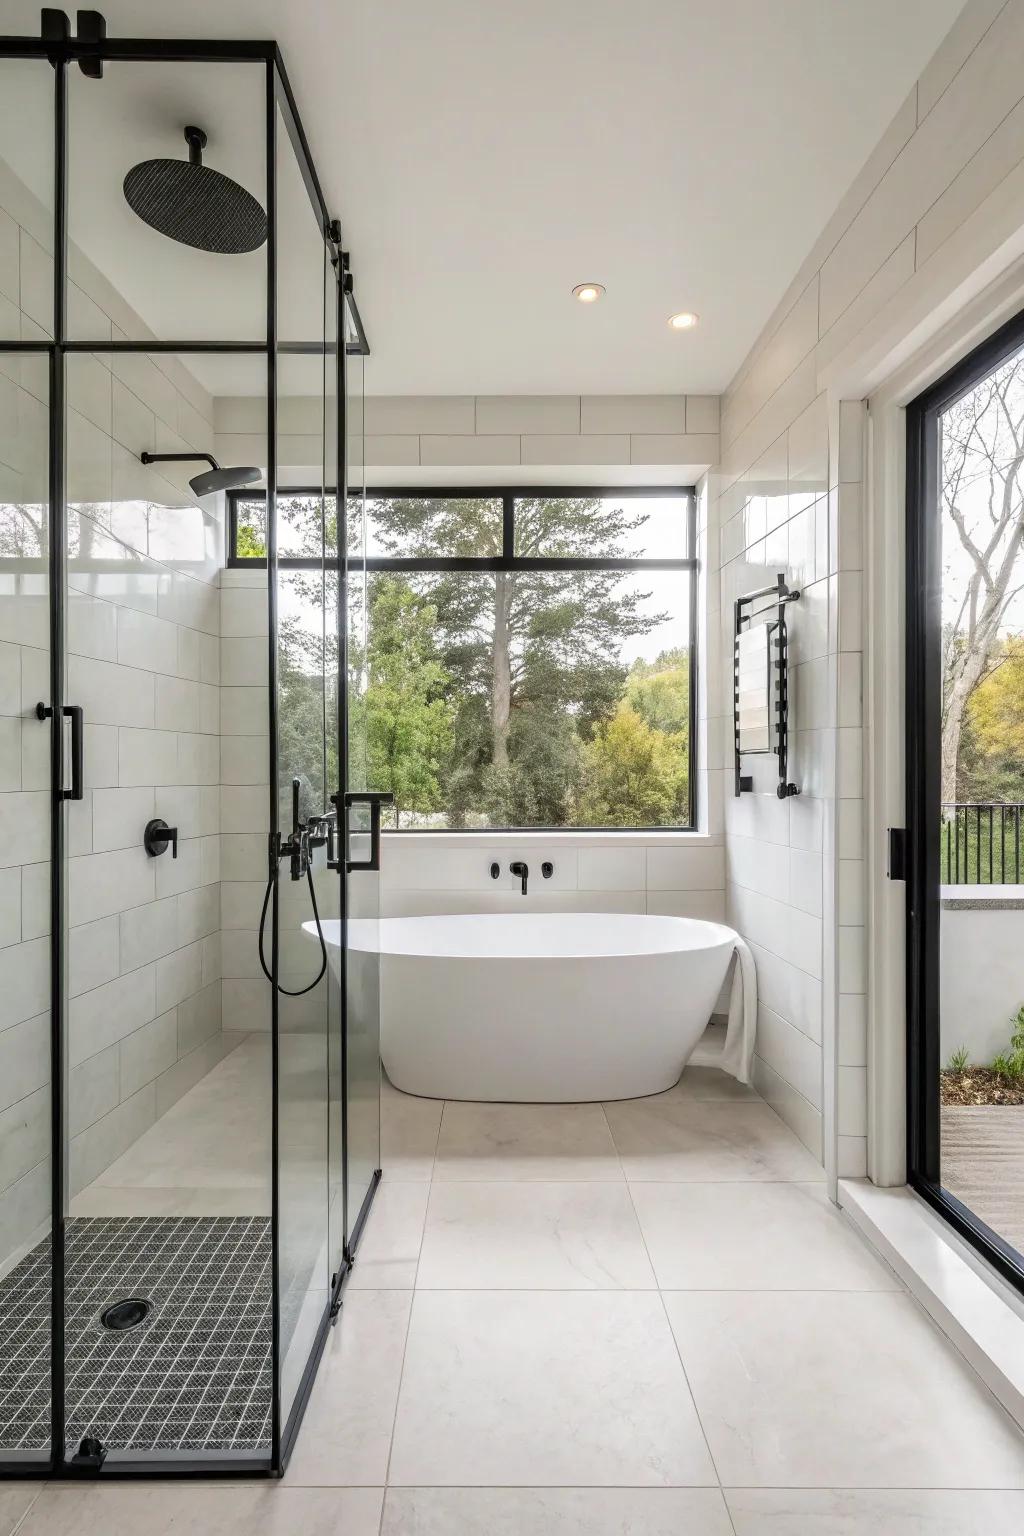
x=521, y=871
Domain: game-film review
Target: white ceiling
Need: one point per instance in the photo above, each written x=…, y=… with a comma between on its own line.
x=486, y=158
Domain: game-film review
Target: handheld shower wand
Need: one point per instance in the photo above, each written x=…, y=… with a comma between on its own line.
x=297, y=849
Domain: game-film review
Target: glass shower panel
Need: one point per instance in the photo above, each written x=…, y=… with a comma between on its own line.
x=168, y=1063
x=25, y=875
x=167, y=192
x=306, y=886
x=362, y=967
x=26, y=200
x=333, y=701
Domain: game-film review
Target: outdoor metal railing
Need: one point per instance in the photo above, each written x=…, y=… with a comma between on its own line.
x=982, y=843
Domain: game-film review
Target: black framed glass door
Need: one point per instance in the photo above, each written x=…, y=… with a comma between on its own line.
x=965, y=797
x=169, y=1269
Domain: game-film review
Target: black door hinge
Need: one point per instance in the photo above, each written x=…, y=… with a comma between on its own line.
x=897, y=853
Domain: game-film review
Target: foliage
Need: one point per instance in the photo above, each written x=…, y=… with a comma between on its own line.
x=660, y=691
x=991, y=764
x=302, y=703
x=1010, y=1064
x=482, y=697
x=408, y=715
x=534, y=657
x=959, y=1059
x=634, y=775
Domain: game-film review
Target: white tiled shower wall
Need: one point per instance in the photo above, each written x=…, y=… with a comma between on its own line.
x=143, y=650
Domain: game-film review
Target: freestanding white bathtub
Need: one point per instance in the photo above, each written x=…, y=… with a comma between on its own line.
x=542, y=1007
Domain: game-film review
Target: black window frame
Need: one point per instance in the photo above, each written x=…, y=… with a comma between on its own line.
x=508, y=560
x=923, y=661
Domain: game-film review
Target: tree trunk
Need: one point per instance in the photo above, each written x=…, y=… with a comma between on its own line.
x=964, y=682
x=952, y=728
x=501, y=669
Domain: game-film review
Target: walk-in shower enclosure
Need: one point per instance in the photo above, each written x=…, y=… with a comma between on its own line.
x=189, y=1096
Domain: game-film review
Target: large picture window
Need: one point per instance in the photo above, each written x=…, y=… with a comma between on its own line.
x=527, y=657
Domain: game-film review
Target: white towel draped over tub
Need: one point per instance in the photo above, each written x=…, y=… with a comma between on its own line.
x=736, y=1055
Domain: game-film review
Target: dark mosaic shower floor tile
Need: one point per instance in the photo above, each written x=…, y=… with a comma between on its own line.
x=196, y=1374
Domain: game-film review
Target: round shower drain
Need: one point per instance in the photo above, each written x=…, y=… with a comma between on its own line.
x=126, y=1314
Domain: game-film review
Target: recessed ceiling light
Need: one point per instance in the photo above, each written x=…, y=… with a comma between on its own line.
x=588, y=293
x=684, y=321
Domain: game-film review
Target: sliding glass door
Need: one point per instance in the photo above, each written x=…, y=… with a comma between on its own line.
x=361, y=815
x=965, y=794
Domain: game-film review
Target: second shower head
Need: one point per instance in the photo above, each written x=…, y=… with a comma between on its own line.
x=215, y=478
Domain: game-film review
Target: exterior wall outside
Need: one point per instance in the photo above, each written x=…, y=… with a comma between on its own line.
x=981, y=977
x=936, y=212
x=144, y=1017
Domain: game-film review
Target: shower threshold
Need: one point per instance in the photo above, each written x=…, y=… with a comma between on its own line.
x=194, y=1375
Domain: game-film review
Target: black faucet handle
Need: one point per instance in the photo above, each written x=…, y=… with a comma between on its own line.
x=158, y=836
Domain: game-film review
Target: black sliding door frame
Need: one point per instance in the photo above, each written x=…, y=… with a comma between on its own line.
x=924, y=797
x=62, y=52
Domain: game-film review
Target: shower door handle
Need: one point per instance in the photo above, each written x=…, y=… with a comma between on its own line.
x=374, y=799
x=76, y=714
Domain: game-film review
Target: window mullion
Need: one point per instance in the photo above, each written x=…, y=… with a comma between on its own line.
x=508, y=526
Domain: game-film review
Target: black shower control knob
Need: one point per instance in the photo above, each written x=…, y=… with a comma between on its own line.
x=157, y=836
x=547, y=869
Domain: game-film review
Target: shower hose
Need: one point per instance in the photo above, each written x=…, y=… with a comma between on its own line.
x=301, y=991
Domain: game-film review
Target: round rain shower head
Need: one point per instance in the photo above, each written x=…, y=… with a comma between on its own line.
x=198, y=206
x=223, y=479
x=216, y=478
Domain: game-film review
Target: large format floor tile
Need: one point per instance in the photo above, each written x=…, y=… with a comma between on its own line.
x=15, y=1500
x=526, y=1389
x=818, y=1390
x=390, y=1245
x=560, y=1142
x=242, y=1509
x=711, y=1084
x=533, y=1236
x=675, y=1137
x=346, y=1432
x=871, y=1512
x=754, y=1236
x=408, y=1133
x=555, y=1512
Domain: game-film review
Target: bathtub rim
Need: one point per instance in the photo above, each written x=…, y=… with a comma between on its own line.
x=369, y=935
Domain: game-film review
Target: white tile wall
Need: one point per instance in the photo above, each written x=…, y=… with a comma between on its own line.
x=143, y=625
x=679, y=874
x=492, y=431
x=785, y=442
x=245, y=812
